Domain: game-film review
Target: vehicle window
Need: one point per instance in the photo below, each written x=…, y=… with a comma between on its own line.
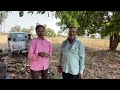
x=19, y=36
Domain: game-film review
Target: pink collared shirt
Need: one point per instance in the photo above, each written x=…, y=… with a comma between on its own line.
x=39, y=45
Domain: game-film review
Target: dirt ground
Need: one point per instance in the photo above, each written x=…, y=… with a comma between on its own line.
x=99, y=63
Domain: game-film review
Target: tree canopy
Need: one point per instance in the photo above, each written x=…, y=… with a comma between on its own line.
x=106, y=23
x=3, y=16
x=17, y=28
x=49, y=32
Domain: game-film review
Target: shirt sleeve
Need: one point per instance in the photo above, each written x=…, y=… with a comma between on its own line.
x=50, y=49
x=60, y=56
x=31, y=54
x=82, y=58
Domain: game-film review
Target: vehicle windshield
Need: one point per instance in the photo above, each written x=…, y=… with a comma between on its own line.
x=20, y=36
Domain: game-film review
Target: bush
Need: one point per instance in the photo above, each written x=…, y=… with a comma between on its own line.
x=50, y=33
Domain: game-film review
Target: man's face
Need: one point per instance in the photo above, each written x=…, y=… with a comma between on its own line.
x=40, y=32
x=29, y=36
x=72, y=33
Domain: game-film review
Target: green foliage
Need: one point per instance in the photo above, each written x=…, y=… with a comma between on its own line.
x=21, y=13
x=3, y=16
x=59, y=33
x=26, y=30
x=17, y=28
x=29, y=30
x=45, y=25
x=66, y=19
x=49, y=32
x=93, y=21
x=106, y=23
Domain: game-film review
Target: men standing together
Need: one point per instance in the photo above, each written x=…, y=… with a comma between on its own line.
x=71, y=58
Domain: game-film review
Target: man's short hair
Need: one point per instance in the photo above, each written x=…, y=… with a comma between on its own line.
x=72, y=27
x=38, y=26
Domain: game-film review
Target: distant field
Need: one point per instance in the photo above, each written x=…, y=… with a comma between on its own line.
x=100, y=44
x=3, y=41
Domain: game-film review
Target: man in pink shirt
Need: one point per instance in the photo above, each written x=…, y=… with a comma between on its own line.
x=39, y=53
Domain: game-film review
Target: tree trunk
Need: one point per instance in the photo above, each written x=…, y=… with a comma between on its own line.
x=114, y=40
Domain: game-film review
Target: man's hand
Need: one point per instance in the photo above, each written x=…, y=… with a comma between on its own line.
x=81, y=76
x=40, y=54
x=59, y=69
x=43, y=54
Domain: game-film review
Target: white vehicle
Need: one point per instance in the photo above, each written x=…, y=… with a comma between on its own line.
x=17, y=42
